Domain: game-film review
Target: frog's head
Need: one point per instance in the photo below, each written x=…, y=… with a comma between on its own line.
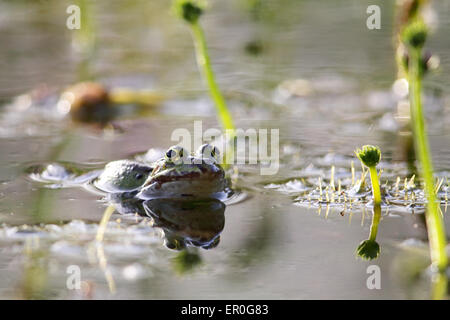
x=179, y=174
x=123, y=176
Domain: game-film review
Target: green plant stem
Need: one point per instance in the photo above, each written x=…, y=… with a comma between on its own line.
x=375, y=222
x=375, y=185
x=104, y=223
x=377, y=203
x=439, y=286
x=85, y=39
x=435, y=226
x=204, y=64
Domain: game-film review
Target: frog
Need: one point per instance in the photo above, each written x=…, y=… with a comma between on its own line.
x=181, y=175
x=177, y=174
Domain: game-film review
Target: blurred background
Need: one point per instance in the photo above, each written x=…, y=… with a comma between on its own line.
x=309, y=68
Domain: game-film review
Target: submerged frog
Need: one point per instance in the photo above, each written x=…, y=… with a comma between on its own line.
x=176, y=175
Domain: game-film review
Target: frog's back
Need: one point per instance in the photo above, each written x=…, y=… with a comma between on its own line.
x=123, y=176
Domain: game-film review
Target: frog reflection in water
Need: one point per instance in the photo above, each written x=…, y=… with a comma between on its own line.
x=188, y=223
x=185, y=222
x=176, y=175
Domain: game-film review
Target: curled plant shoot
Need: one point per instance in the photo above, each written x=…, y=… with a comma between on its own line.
x=414, y=37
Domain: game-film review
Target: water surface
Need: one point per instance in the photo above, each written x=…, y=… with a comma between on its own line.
x=269, y=247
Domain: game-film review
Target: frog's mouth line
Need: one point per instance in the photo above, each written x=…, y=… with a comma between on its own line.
x=190, y=185
x=190, y=176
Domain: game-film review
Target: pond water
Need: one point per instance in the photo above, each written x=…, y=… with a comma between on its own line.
x=272, y=246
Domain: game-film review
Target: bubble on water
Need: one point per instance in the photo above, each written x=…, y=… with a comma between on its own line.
x=380, y=100
x=333, y=159
x=288, y=149
x=413, y=243
x=125, y=250
x=388, y=123
x=294, y=186
x=76, y=226
x=152, y=155
x=52, y=173
x=22, y=102
x=7, y=232
x=67, y=248
x=53, y=228
x=401, y=88
x=134, y=272
x=290, y=88
x=63, y=107
x=332, y=83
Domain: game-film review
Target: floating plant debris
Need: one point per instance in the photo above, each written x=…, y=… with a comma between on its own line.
x=77, y=232
x=353, y=191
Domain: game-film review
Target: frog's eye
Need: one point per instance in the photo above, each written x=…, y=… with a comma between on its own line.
x=209, y=152
x=139, y=176
x=176, y=154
